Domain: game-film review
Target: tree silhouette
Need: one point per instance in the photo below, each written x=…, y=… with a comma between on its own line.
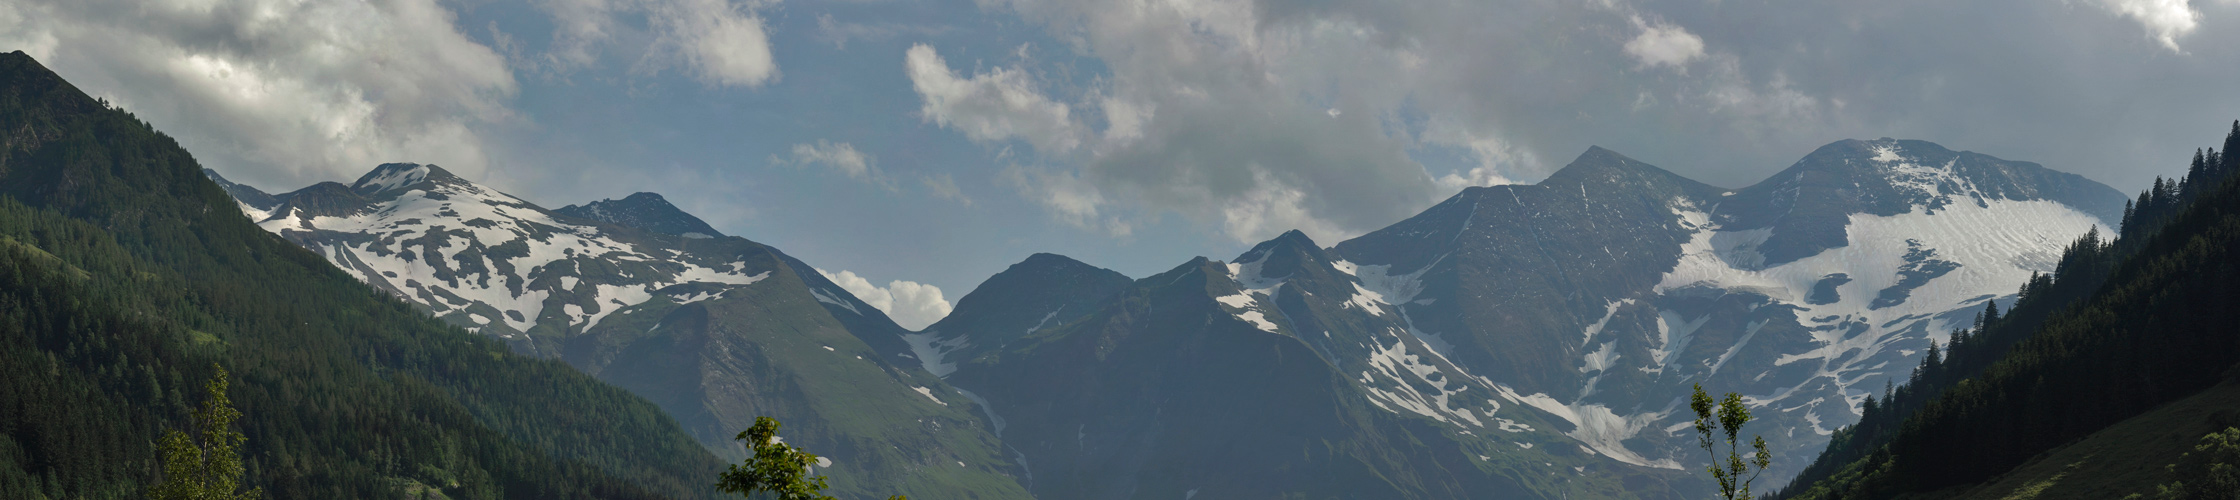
x=1728, y=418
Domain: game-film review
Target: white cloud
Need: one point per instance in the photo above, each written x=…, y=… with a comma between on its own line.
x=838, y=156
x=2166, y=20
x=280, y=91
x=996, y=105
x=944, y=186
x=1662, y=44
x=718, y=42
x=579, y=28
x=910, y=304
x=1497, y=160
x=1269, y=209
x=723, y=44
x=1068, y=197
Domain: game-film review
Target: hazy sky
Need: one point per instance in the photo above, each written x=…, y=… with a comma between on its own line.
x=913, y=148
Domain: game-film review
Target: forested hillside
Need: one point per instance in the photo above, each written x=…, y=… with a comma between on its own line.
x=2123, y=326
x=125, y=275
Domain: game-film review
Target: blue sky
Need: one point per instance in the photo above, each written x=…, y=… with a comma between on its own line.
x=921, y=146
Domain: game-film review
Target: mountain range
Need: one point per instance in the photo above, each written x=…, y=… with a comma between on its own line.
x=717, y=330
x=1512, y=341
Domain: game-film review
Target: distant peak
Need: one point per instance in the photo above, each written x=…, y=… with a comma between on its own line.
x=1599, y=151
x=1296, y=239
x=1040, y=259
x=1289, y=241
x=643, y=210
x=1599, y=166
x=1596, y=160
x=395, y=176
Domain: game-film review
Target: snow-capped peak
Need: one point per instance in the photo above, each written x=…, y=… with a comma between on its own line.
x=390, y=177
x=493, y=262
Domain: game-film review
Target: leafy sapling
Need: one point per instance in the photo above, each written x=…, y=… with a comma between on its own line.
x=776, y=468
x=1728, y=418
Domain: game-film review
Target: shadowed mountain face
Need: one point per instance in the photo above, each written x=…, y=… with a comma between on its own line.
x=646, y=211
x=717, y=330
x=1044, y=291
x=1528, y=341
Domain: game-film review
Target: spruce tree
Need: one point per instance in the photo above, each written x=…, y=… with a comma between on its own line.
x=206, y=465
x=2231, y=141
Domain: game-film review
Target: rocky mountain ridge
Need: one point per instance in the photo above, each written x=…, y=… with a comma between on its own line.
x=716, y=330
x=1530, y=341
x=1580, y=310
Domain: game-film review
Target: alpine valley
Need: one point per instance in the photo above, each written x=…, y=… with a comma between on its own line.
x=1516, y=341
x=414, y=332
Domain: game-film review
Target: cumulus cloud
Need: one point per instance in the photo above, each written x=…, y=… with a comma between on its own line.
x=1248, y=115
x=722, y=44
x=718, y=42
x=996, y=105
x=910, y=304
x=838, y=156
x=1272, y=207
x=280, y=91
x=2165, y=20
x=1069, y=198
x=1661, y=44
x=1203, y=118
x=845, y=159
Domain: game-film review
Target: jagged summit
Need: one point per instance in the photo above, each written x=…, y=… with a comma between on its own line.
x=646, y=211
x=1289, y=241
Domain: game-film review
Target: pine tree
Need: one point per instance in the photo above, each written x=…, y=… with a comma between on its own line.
x=2194, y=174
x=2128, y=209
x=206, y=466
x=1990, y=314
x=2231, y=142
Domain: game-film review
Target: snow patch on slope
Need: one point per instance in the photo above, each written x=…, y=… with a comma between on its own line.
x=1251, y=307
x=932, y=351
x=1993, y=247
x=1408, y=371
x=1597, y=427
x=463, y=226
x=929, y=395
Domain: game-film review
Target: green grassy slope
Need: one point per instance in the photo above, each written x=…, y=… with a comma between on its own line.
x=2126, y=458
x=130, y=274
x=773, y=349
